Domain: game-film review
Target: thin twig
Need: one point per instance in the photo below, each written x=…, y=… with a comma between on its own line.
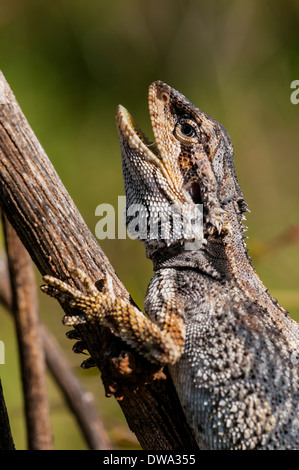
x=6, y=440
x=25, y=310
x=79, y=400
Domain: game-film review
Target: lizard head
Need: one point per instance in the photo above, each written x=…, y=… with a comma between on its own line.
x=189, y=164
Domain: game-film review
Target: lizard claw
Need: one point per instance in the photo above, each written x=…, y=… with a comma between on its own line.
x=217, y=222
x=88, y=304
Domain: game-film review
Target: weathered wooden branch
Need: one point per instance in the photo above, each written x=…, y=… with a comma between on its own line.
x=55, y=235
x=80, y=401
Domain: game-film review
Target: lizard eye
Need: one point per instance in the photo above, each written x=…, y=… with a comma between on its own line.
x=188, y=130
x=185, y=131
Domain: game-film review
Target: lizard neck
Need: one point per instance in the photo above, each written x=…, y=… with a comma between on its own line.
x=224, y=258
x=238, y=261
x=240, y=267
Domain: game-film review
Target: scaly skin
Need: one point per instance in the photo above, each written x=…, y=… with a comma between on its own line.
x=232, y=351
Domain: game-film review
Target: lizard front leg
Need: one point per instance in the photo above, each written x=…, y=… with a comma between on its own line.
x=158, y=345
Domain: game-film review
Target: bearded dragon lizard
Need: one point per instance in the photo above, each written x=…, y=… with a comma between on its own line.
x=231, y=350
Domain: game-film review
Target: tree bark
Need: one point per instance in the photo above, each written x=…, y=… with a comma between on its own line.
x=56, y=237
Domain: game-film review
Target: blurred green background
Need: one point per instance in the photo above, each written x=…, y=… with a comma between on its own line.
x=70, y=63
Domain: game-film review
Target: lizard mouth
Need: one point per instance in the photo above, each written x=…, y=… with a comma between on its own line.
x=136, y=137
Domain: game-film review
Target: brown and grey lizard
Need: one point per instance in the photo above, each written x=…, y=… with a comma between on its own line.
x=231, y=350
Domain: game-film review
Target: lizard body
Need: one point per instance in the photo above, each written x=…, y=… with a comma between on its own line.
x=230, y=348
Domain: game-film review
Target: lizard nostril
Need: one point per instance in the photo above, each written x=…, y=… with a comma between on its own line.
x=165, y=97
